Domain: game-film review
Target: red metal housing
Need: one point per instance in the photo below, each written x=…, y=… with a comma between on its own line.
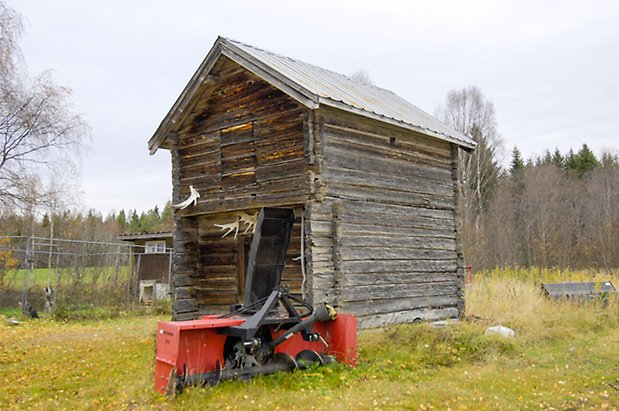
x=196, y=346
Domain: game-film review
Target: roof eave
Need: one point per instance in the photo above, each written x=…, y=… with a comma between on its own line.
x=184, y=98
x=342, y=106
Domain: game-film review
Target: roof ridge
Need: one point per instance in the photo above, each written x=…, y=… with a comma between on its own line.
x=309, y=64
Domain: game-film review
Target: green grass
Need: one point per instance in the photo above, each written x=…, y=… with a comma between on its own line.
x=564, y=356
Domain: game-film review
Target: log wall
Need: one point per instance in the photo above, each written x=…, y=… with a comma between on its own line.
x=223, y=263
x=185, y=257
x=242, y=144
x=384, y=243
x=379, y=204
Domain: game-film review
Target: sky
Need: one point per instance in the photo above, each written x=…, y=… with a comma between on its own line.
x=551, y=68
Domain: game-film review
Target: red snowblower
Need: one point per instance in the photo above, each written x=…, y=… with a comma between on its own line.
x=271, y=331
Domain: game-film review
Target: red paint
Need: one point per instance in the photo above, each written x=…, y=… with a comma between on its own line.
x=196, y=346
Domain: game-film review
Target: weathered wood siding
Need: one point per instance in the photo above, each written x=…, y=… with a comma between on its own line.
x=185, y=256
x=384, y=240
x=378, y=203
x=242, y=144
x=223, y=263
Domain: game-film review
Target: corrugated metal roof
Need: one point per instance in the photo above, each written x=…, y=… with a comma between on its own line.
x=313, y=86
x=329, y=87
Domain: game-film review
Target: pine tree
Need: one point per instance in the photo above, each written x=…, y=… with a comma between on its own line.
x=581, y=163
x=570, y=162
x=586, y=160
x=557, y=158
x=134, y=222
x=121, y=220
x=517, y=164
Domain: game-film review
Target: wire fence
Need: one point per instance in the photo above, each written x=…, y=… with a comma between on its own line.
x=51, y=274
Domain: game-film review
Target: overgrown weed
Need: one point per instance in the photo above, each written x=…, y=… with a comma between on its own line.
x=518, y=302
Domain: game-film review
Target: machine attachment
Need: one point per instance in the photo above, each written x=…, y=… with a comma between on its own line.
x=255, y=338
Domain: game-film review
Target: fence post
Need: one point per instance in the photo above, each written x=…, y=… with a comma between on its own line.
x=28, y=268
x=136, y=293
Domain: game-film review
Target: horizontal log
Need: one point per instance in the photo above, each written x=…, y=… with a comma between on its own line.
x=397, y=266
x=333, y=118
x=387, y=146
x=376, y=292
x=393, y=214
x=380, y=178
x=182, y=293
x=356, y=156
x=380, y=279
x=393, y=253
x=399, y=241
x=180, y=280
x=187, y=143
x=408, y=316
x=362, y=308
x=352, y=228
x=192, y=315
x=363, y=191
x=185, y=306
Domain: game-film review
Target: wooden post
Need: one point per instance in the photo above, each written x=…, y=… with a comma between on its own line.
x=337, y=251
x=185, y=260
x=455, y=174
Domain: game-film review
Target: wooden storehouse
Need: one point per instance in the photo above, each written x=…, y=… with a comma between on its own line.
x=372, y=180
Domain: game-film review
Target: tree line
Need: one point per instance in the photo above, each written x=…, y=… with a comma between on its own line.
x=89, y=226
x=556, y=210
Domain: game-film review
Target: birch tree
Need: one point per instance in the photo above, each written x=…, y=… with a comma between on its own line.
x=468, y=112
x=39, y=134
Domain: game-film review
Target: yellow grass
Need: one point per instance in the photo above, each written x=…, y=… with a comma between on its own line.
x=514, y=298
x=564, y=356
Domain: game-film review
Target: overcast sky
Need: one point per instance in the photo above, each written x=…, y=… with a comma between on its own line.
x=551, y=68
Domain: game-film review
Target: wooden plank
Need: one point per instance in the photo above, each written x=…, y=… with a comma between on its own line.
x=185, y=306
x=405, y=316
x=393, y=253
x=399, y=304
x=181, y=293
x=414, y=229
x=402, y=242
x=393, y=214
x=413, y=277
x=397, y=266
x=348, y=191
x=375, y=292
x=392, y=145
x=333, y=117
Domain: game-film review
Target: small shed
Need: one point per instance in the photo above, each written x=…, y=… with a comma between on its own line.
x=373, y=181
x=151, y=260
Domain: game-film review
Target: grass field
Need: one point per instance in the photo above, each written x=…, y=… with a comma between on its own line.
x=39, y=277
x=564, y=356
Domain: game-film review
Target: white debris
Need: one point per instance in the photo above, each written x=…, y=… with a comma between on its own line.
x=500, y=330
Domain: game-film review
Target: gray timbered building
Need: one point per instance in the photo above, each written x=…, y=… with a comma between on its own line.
x=373, y=181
